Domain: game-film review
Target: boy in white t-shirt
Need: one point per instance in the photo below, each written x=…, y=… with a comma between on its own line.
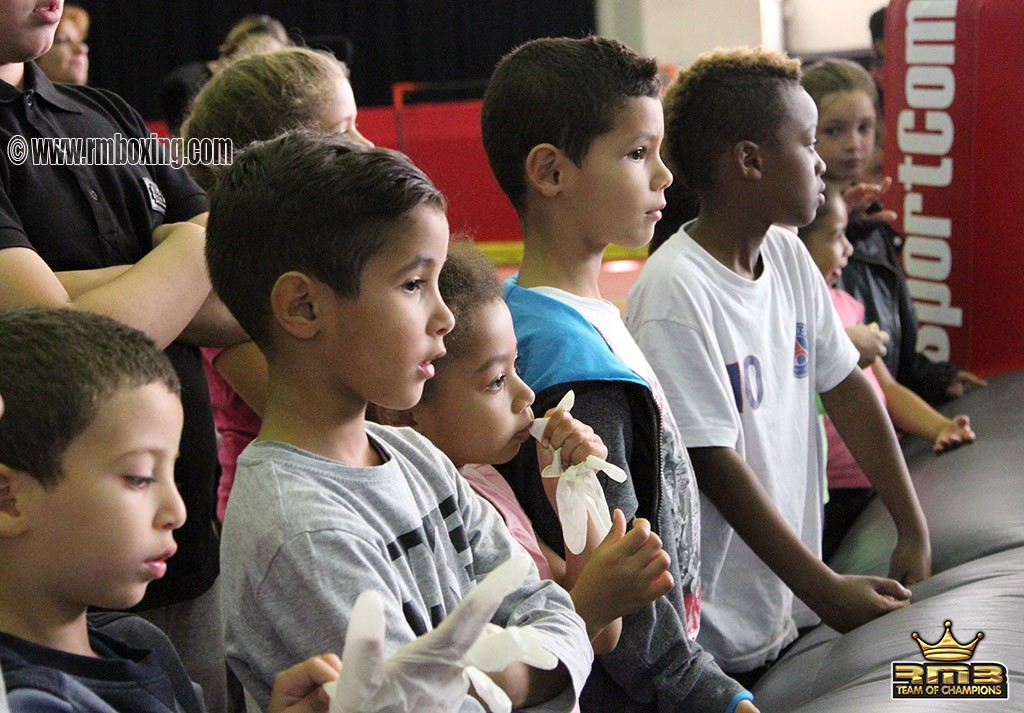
x=572, y=130
x=736, y=321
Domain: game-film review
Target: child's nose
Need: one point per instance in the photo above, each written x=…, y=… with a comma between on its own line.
x=819, y=164
x=847, y=246
x=444, y=320
x=662, y=176
x=524, y=395
x=172, y=513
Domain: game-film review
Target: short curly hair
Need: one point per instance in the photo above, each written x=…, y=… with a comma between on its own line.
x=724, y=97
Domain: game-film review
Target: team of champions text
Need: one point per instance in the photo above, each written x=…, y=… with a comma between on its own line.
x=119, y=150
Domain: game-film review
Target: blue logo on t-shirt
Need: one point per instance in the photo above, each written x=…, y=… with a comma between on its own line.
x=801, y=357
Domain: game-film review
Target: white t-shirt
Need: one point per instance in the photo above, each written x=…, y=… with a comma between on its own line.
x=741, y=362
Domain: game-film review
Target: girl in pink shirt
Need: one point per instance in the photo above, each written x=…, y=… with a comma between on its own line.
x=849, y=489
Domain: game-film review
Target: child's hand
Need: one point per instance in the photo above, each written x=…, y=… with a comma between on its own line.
x=863, y=202
x=911, y=559
x=870, y=342
x=957, y=432
x=576, y=439
x=747, y=707
x=963, y=382
x=626, y=572
x=858, y=599
x=299, y=689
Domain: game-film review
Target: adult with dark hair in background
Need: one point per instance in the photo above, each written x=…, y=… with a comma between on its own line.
x=253, y=34
x=876, y=24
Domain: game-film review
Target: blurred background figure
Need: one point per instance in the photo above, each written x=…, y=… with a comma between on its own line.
x=68, y=59
x=253, y=34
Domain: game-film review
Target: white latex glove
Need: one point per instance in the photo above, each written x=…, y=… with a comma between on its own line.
x=578, y=493
x=432, y=674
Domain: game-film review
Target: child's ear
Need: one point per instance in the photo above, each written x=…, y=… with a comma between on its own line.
x=748, y=159
x=13, y=520
x=545, y=168
x=295, y=302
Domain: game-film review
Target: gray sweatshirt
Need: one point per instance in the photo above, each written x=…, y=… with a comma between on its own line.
x=305, y=535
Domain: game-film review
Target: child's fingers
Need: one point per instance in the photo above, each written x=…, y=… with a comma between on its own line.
x=633, y=540
x=661, y=585
x=658, y=563
x=617, y=531
x=576, y=439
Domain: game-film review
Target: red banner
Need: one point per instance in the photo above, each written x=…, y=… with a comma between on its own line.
x=954, y=145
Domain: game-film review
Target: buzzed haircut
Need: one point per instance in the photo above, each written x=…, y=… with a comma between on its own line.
x=57, y=369
x=313, y=203
x=724, y=97
x=561, y=91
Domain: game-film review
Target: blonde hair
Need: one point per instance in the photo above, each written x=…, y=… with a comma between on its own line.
x=838, y=75
x=249, y=27
x=257, y=98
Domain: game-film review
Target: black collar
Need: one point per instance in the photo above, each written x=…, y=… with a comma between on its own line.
x=37, y=83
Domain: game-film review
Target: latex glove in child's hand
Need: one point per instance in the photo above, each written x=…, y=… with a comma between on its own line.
x=956, y=433
x=578, y=493
x=432, y=674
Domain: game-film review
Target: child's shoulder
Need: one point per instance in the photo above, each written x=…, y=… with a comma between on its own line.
x=409, y=446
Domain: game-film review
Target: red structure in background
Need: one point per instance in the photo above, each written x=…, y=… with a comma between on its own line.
x=953, y=145
x=443, y=138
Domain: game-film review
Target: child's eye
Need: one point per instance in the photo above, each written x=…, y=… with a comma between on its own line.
x=498, y=384
x=138, y=482
x=413, y=285
x=638, y=154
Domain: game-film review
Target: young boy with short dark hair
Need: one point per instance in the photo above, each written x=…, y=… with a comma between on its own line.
x=88, y=507
x=572, y=129
x=328, y=255
x=737, y=322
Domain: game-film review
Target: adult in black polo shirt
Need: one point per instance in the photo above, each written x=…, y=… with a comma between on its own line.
x=98, y=237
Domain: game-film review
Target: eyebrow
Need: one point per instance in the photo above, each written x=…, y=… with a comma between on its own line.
x=416, y=262
x=496, y=359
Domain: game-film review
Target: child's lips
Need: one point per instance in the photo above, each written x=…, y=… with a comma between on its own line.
x=48, y=11
x=656, y=213
x=158, y=565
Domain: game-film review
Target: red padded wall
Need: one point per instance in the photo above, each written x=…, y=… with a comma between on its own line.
x=954, y=144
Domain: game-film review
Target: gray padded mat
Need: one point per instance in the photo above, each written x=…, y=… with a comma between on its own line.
x=972, y=497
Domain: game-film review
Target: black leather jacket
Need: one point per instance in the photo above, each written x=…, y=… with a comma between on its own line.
x=874, y=276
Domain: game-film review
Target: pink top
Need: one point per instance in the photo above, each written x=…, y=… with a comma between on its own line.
x=843, y=471
x=237, y=425
x=488, y=484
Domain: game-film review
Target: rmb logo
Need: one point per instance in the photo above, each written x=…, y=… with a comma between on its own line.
x=943, y=673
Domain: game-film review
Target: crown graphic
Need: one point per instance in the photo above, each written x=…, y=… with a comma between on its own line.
x=947, y=648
